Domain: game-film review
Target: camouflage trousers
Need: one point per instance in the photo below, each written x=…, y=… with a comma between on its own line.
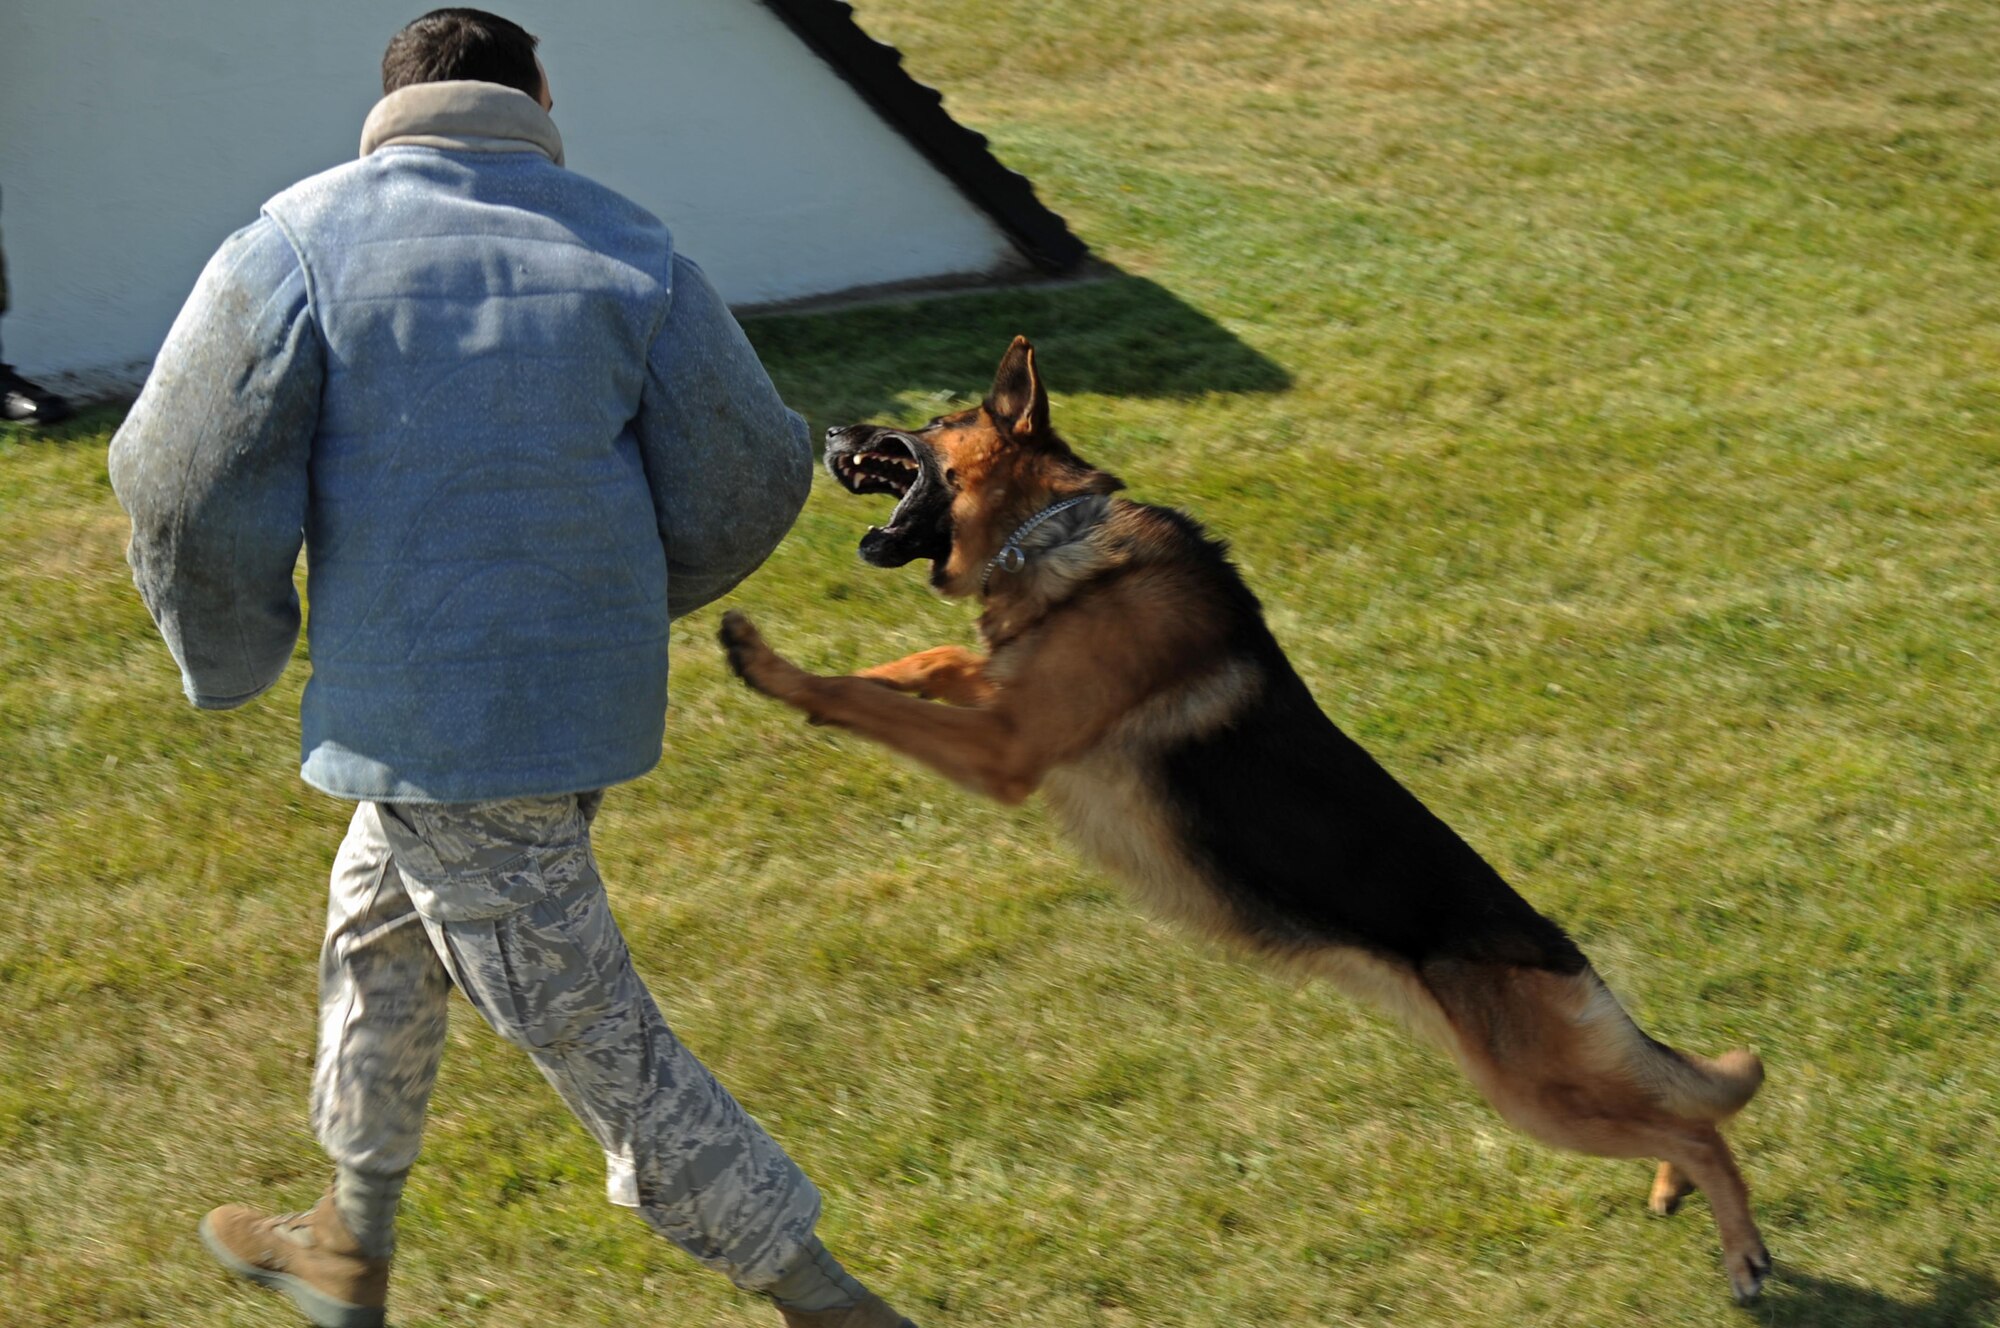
x=503, y=900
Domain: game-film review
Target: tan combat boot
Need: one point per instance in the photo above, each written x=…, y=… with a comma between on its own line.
x=308, y=1256
x=868, y=1312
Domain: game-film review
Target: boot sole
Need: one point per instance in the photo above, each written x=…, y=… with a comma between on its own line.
x=322, y=1309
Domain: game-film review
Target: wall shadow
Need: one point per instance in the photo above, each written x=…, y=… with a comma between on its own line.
x=1117, y=335
x=1960, y=1297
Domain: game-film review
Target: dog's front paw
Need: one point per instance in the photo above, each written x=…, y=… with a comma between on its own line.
x=761, y=667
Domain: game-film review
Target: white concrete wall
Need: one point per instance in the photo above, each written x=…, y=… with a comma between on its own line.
x=136, y=134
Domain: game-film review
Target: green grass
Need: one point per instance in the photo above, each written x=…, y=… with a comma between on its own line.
x=1605, y=400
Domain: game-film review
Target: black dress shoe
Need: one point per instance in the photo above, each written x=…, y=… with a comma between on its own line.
x=23, y=402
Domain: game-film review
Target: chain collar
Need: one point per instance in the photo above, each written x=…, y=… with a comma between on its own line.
x=1012, y=558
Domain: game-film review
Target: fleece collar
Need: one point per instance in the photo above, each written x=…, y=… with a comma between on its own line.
x=461, y=116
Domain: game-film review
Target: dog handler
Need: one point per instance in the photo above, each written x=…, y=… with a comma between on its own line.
x=517, y=433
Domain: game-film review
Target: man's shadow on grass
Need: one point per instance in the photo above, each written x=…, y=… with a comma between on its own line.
x=1114, y=335
x=1960, y=1297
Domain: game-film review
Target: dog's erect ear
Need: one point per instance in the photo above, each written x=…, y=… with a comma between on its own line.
x=1019, y=401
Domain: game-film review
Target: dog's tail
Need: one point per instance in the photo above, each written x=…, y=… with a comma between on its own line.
x=1689, y=1086
x=1704, y=1089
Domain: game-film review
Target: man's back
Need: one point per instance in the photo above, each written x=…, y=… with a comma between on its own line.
x=516, y=430
x=489, y=592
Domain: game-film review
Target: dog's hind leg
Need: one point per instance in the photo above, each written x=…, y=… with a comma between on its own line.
x=1696, y=1157
x=1699, y=1151
x=1593, y=1119
x=1670, y=1186
x=1562, y=1062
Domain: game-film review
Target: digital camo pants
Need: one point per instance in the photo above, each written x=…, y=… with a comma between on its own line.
x=504, y=900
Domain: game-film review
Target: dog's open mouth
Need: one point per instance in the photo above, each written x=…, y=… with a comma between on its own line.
x=886, y=467
x=882, y=461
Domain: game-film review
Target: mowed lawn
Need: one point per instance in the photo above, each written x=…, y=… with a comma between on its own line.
x=1605, y=400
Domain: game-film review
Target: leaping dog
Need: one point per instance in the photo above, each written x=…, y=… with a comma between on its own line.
x=1130, y=677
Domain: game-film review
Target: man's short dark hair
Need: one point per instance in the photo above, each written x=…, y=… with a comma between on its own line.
x=462, y=43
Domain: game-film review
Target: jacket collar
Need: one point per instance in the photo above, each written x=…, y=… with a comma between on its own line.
x=461, y=116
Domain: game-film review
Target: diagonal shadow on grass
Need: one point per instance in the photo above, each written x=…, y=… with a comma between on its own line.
x=1113, y=335
x=1119, y=335
x=1960, y=1297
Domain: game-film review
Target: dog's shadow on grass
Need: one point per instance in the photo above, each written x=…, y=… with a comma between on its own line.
x=1115, y=335
x=1960, y=1297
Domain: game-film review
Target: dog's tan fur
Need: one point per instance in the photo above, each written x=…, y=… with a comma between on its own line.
x=1103, y=656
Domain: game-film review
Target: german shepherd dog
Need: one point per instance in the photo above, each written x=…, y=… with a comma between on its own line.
x=1130, y=676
